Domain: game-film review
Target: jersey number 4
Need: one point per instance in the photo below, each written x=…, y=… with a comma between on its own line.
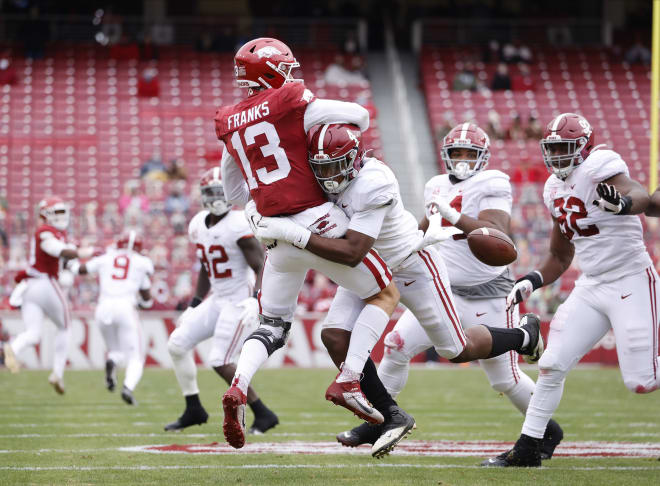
x=211, y=266
x=572, y=210
x=272, y=148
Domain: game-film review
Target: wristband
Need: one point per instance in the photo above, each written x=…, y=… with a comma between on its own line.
x=195, y=302
x=626, y=204
x=535, y=278
x=452, y=215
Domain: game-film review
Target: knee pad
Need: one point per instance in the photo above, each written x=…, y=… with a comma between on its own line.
x=272, y=332
x=174, y=348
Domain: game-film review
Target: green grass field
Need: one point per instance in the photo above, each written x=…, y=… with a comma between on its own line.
x=76, y=439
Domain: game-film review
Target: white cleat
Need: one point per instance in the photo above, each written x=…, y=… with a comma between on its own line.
x=57, y=383
x=10, y=359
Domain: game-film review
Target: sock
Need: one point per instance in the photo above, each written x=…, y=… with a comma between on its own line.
x=258, y=408
x=348, y=374
x=374, y=389
x=134, y=370
x=368, y=328
x=61, y=351
x=253, y=356
x=504, y=340
x=192, y=401
x=186, y=372
x=547, y=395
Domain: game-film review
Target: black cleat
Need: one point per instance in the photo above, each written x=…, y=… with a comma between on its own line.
x=365, y=433
x=264, y=423
x=551, y=439
x=110, y=375
x=190, y=416
x=534, y=349
x=396, y=426
x=127, y=396
x=525, y=453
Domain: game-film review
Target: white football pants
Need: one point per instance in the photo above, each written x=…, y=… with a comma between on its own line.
x=44, y=297
x=629, y=307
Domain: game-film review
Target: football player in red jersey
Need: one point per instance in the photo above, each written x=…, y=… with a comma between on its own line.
x=40, y=293
x=265, y=158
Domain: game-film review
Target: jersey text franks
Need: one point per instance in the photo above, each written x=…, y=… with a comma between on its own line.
x=246, y=116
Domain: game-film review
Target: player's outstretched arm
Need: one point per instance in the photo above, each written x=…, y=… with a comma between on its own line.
x=557, y=261
x=254, y=256
x=320, y=112
x=622, y=195
x=349, y=250
x=653, y=208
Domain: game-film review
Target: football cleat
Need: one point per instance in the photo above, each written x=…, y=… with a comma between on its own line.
x=233, y=425
x=551, y=439
x=127, y=396
x=534, y=349
x=395, y=428
x=525, y=453
x=57, y=383
x=190, y=416
x=10, y=358
x=264, y=423
x=365, y=433
x=348, y=394
x=110, y=375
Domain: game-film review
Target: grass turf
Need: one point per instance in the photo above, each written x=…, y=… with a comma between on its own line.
x=74, y=439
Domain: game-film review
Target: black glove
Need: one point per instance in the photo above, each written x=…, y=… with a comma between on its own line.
x=611, y=200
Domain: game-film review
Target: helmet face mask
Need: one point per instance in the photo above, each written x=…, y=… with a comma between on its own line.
x=465, y=151
x=335, y=154
x=213, y=193
x=55, y=212
x=567, y=141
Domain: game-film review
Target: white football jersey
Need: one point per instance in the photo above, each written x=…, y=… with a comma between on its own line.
x=488, y=189
x=376, y=186
x=607, y=246
x=122, y=273
x=218, y=251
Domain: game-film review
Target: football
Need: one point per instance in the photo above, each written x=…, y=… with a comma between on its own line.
x=492, y=247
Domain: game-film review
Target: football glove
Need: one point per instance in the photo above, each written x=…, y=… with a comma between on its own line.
x=282, y=229
x=436, y=233
x=447, y=212
x=523, y=288
x=253, y=217
x=250, y=310
x=611, y=200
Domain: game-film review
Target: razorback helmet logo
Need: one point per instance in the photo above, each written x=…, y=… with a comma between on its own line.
x=268, y=51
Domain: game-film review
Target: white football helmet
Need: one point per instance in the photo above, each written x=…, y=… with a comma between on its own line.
x=55, y=212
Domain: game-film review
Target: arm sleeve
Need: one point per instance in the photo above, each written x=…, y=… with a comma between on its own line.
x=94, y=264
x=495, y=202
x=51, y=245
x=235, y=187
x=369, y=222
x=331, y=111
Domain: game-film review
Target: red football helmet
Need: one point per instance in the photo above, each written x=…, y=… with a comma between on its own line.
x=130, y=240
x=470, y=136
x=55, y=212
x=264, y=63
x=567, y=141
x=213, y=194
x=335, y=153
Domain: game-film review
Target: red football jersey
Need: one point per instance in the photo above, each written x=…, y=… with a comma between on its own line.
x=39, y=259
x=265, y=135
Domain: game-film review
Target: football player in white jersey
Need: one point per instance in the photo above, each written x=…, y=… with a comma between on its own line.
x=368, y=192
x=124, y=283
x=594, y=205
x=230, y=258
x=467, y=197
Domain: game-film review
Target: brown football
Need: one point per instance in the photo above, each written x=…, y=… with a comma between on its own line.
x=492, y=247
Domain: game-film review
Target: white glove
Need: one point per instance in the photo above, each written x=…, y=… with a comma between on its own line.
x=85, y=252
x=250, y=310
x=436, y=232
x=283, y=229
x=523, y=288
x=447, y=212
x=253, y=218
x=73, y=266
